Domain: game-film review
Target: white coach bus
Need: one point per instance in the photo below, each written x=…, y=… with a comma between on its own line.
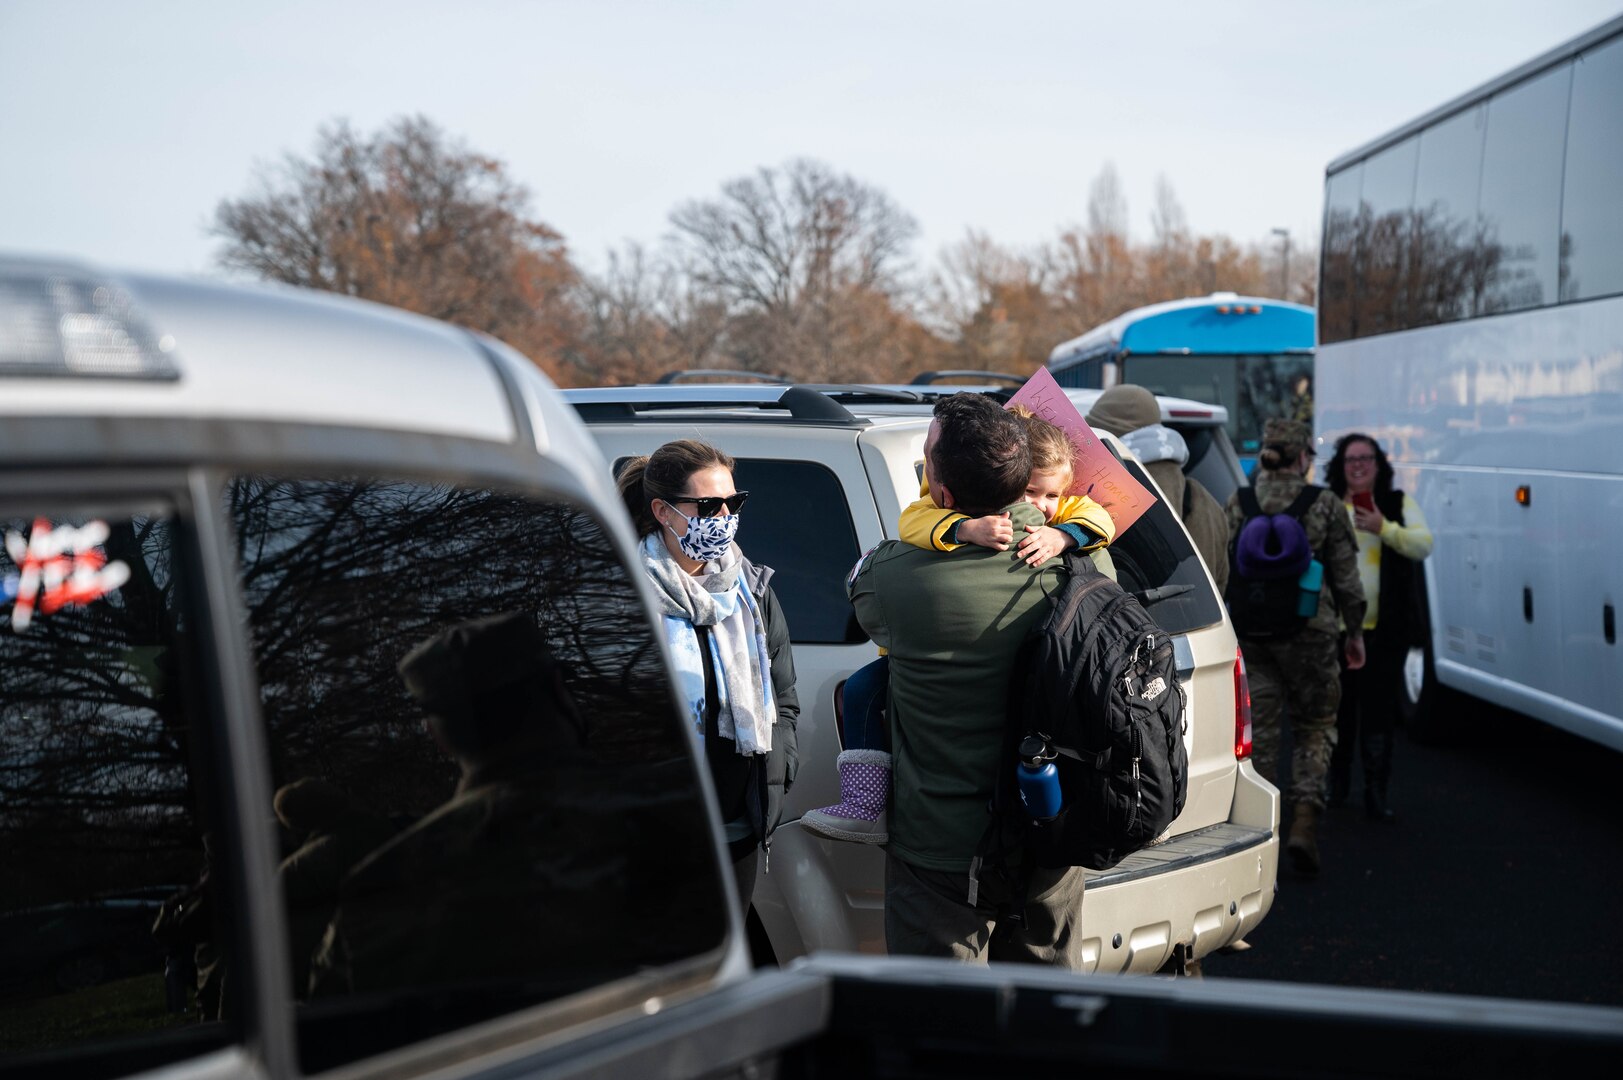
x=1471, y=319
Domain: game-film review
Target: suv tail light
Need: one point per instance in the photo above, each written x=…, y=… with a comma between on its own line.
x=1242, y=708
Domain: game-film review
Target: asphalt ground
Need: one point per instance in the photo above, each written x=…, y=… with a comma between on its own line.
x=1502, y=876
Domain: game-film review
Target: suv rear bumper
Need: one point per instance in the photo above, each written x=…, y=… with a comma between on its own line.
x=1223, y=874
x=1203, y=889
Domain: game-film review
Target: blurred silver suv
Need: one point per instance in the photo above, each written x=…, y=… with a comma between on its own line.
x=231, y=846
x=829, y=470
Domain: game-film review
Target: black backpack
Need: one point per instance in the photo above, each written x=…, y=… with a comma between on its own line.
x=1266, y=559
x=1098, y=680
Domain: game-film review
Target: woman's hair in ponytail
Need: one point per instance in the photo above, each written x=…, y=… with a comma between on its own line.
x=663, y=475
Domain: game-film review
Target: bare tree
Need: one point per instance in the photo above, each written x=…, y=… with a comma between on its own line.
x=809, y=263
x=410, y=217
x=644, y=316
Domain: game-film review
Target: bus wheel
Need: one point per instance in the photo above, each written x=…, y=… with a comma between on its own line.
x=1432, y=712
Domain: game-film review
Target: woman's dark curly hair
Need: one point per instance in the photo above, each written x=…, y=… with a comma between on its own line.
x=1335, y=473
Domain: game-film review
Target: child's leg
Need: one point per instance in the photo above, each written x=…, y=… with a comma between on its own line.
x=864, y=764
x=863, y=713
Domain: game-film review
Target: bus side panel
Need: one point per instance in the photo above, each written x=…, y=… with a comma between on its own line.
x=1469, y=412
x=1590, y=579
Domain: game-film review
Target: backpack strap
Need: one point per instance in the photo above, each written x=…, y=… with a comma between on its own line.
x=1304, y=499
x=1248, y=501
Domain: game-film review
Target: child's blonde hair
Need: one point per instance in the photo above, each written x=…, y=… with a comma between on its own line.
x=1051, y=449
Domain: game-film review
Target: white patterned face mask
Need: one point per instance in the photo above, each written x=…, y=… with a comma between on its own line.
x=707, y=538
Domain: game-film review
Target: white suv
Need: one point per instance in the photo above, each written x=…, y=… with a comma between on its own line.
x=829, y=470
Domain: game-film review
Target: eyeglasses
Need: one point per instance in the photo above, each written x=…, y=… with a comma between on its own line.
x=1358, y=459
x=711, y=505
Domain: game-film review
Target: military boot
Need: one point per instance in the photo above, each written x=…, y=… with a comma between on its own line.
x=1303, y=845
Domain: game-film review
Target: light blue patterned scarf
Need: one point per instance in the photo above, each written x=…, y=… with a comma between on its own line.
x=717, y=597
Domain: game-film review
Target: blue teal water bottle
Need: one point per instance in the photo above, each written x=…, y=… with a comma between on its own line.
x=1312, y=579
x=1038, y=778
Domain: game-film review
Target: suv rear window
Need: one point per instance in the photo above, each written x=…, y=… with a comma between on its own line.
x=545, y=834
x=1155, y=561
x=800, y=525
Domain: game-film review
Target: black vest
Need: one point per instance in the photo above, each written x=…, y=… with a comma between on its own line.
x=1403, y=615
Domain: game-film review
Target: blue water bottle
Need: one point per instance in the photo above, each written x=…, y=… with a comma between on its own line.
x=1307, y=601
x=1038, y=778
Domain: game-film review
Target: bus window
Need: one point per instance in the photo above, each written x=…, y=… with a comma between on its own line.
x=1255, y=388
x=1445, y=273
x=1521, y=192
x=1338, y=280
x=1383, y=226
x=1591, y=227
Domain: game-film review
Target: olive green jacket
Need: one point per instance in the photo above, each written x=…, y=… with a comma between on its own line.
x=952, y=622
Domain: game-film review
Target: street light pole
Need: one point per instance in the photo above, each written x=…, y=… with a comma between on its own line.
x=1284, y=262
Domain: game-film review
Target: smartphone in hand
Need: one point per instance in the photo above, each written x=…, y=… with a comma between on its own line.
x=1364, y=500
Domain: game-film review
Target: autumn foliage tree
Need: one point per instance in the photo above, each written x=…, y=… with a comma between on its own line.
x=798, y=270
x=411, y=217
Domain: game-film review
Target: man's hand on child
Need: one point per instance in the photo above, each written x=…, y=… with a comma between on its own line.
x=993, y=531
x=1043, y=543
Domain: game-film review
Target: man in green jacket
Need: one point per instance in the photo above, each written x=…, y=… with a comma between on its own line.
x=952, y=623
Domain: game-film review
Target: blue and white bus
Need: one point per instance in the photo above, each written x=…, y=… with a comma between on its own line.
x=1252, y=355
x=1471, y=319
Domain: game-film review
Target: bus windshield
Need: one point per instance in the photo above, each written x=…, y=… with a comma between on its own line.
x=1254, y=388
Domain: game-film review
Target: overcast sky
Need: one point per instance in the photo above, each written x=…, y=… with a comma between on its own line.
x=122, y=125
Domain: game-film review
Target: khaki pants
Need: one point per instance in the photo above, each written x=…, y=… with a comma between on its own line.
x=927, y=913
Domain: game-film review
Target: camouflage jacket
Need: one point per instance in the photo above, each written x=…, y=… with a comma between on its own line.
x=1341, y=599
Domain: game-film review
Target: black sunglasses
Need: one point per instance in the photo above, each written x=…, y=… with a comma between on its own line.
x=711, y=505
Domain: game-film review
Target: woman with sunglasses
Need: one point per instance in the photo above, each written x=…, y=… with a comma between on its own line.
x=727, y=636
x=1392, y=540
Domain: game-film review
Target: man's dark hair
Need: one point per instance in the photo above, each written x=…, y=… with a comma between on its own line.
x=981, y=453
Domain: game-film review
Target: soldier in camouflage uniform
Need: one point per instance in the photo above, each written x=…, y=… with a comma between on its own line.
x=1302, y=671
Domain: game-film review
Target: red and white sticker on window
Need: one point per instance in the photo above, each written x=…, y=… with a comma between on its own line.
x=57, y=566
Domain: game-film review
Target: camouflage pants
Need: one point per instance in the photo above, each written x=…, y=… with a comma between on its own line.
x=1302, y=673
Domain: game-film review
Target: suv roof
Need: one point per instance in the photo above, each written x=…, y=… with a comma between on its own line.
x=238, y=364
x=170, y=347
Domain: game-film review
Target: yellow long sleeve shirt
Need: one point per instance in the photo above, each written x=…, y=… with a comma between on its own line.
x=926, y=525
x=1412, y=540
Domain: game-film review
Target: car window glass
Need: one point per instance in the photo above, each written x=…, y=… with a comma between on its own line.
x=1591, y=227
x=1521, y=192
x=798, y=522
x=113, y=957
x=1155, y=561
x=524, y=821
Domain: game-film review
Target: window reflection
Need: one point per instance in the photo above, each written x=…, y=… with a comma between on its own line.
x=1452, y=261
x=487, y=799
x=1591, y=227
x=1521, y=192
x=1338, y=268
x=112, y=949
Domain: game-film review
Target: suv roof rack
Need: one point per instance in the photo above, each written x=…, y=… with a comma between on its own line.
x=805, y=403
x=926, y=378
x=688, y=374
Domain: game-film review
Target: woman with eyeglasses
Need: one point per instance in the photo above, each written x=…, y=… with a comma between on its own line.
x=727, y=636
x=1392, y=540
